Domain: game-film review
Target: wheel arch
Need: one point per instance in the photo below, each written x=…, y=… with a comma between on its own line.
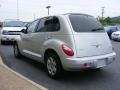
x=50, y=50
x=52, y=45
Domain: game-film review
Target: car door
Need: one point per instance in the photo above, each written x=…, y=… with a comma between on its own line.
x=42, y=34
x=39, y=38
x=27, y=38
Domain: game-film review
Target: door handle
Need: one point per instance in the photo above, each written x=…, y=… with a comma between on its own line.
x=49, y=37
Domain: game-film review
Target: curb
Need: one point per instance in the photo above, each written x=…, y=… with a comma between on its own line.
x=21, y=76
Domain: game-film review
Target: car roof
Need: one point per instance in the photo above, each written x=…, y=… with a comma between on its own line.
x=77, y=14
x=66, y=14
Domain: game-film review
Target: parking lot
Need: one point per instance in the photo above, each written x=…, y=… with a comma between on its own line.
x=105, y=79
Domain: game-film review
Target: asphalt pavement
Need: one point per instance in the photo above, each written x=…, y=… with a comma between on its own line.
x=106, y=79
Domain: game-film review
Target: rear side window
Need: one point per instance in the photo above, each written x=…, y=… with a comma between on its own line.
x=85, y=23
x=50, y=24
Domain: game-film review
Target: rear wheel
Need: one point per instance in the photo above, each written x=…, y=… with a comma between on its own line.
x=17, y=53
x=53, y=65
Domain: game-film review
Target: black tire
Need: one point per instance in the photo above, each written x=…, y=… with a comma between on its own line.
x=98, y=69
x=17, y=53
x=2, y=42
x=57, y=71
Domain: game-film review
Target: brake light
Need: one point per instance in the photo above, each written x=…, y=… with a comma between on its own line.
x=67, y=50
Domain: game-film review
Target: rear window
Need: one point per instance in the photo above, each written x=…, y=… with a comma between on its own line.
x=85, y=23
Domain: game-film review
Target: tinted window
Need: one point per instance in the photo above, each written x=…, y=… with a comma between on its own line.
x=32, y=26
x=41, y=26
x=50, y=24
x=85, y=23
x=13, y=24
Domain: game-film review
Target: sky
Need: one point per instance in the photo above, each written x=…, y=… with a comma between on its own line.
x=32, y=9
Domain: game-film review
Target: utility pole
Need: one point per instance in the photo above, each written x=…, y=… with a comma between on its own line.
x=48, y=7
x=17, y=10
x=103, y=11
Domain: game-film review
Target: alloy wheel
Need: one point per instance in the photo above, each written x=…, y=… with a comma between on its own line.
x=51, y=66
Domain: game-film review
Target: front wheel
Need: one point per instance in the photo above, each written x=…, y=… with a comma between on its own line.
x=17, y=53
x=53, y=65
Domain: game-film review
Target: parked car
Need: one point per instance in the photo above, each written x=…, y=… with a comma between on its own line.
x=66, y=42
x=116, y=36
x=111, y=29
x=11, y=31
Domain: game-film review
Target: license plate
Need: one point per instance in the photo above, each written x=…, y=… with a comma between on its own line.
x=101, y=63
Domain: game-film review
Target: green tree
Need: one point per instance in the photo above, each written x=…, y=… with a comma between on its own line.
x=108, y=20
x=102, y=21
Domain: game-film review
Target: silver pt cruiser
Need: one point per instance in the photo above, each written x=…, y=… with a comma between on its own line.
x=66, y=42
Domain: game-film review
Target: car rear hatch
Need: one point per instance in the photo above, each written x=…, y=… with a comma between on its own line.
x=89, y=36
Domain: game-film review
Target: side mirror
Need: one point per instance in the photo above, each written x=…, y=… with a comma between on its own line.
x=24, y=31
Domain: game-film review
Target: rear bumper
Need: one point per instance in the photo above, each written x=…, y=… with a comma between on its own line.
x=75, y=64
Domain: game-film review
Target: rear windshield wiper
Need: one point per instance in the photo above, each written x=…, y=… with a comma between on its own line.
x=98, y=29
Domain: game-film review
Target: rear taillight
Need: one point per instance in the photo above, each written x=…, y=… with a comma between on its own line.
x=67, y=50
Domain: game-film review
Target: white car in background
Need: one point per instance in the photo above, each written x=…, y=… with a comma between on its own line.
x=11, y=31
x=116, y=36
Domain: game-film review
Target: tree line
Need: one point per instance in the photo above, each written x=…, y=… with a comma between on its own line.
x=109, y=21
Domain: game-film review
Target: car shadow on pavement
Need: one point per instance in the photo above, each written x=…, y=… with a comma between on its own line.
x=34, y=63
x=82, y=75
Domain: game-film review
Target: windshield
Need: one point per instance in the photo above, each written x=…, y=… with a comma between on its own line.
x=85, y=23
x=114, y=28
x=13, y=24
